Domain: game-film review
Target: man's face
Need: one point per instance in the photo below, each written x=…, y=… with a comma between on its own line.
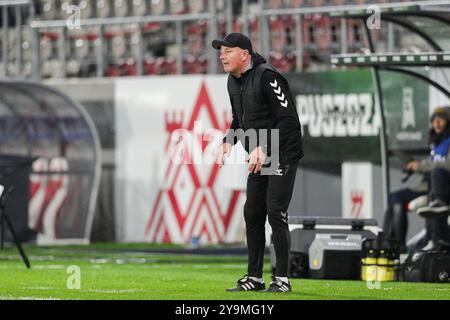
x=439, y=124
x=234, y=60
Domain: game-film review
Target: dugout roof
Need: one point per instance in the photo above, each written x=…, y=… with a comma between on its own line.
x=41, y=124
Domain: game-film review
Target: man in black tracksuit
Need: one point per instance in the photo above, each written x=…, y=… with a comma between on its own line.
x=262, y=103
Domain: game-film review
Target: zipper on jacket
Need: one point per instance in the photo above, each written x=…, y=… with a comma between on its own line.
x=242, y=107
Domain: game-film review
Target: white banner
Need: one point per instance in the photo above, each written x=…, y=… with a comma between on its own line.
x=161, y=200
x=357, y=190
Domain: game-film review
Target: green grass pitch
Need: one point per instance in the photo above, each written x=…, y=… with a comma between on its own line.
x=108, y=271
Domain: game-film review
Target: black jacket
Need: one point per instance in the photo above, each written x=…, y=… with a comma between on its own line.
x=261, y=99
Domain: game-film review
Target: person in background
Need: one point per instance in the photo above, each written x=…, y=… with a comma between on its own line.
x=438, y=165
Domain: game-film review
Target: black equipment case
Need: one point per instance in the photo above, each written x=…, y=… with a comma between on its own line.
x=427, y=266
x=303, y=230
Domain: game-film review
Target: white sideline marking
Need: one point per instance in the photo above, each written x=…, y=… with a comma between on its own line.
x=39, y=288
x=233, y=266
x=50, y=266
x=114, y=291
x=27, y=298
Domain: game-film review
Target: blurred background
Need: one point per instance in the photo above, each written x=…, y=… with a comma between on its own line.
x=91, y=92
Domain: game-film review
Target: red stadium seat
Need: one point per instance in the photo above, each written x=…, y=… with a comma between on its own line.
x=283, y=62
x=168, y=65
x=112, y=71
x=150, y=66
x=128, y=67
x=151, y=27
x=195, y=65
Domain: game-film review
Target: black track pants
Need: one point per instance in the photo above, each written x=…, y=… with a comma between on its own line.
x=268, y=195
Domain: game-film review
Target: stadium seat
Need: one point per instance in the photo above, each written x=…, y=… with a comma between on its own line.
x=222, y=27
x=120, y=8
x=82, y=54
x=194, y=58
x=322, y=30
x=195, y=65
x=177, y=7
x=151, y=27
x=238, y=24
x=118, y=46
x=51, y=68
x=168, y=65
x=134, y=44
x=26, y=69
x=153, y=39
x=335, y=35
x=355, y=35
x=278, y=35
x=157, y=7
x=48, y=9
x=317, y=3
x=48, y=44
x=338, y=2
x=103, y=8
x=196, y=6
x=26, y=50
x=115, y=48
x=139, y=7
x=79, y=46
x=197, y=28
x=86, y=9
x=73, y=68
x=284, y=62
x=63, y=12
x=254, y=27
x=128, y=67
x=275, y=4
x=221, y=5
x=295, y=3
x=150, y=66
x=12, y=69
x=112, y=71
x=11, y=44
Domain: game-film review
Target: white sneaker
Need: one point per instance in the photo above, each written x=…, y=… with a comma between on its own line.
x=435, y=207
x=430, y=246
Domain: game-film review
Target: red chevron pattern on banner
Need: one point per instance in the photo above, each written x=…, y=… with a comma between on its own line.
x=187, y=204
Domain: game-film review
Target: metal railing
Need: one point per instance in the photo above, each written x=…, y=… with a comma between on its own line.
x=17, y=5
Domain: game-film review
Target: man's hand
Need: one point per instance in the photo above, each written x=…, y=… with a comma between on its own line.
x=256, y=160
x=413, y=165
x=224, y=150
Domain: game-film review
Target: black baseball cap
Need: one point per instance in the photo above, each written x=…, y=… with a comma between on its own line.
x=234, y=40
